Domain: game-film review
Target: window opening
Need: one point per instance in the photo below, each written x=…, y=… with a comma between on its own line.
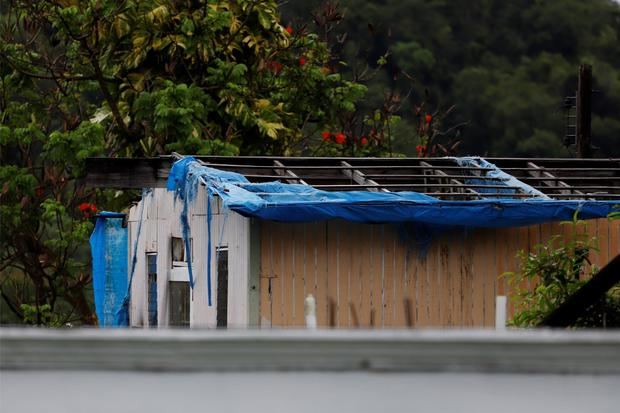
x=151, y=263
x=179, y=303
x=222, y=286
x=179, y=258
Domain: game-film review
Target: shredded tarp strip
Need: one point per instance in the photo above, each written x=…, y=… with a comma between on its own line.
x=209, y=221
x=179, y=183
x=108, y=244
x=278, y=201
x=122, y=314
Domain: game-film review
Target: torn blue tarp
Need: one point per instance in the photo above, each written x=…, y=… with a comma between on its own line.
x=122, y=312
x=278, y=201
x=108, y=244
x=179, y=181
x=497, y=176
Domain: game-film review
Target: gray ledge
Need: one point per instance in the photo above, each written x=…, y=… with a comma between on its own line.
x=512, y=351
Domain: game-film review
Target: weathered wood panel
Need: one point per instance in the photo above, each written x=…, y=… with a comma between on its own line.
x=478, y=265
x=266, y=274
x=363, y=275
x=161, y=221
x=298, y=274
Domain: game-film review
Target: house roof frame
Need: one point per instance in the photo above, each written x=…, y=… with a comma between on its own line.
x=592, y=179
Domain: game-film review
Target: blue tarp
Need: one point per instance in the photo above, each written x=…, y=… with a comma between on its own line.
x=302, y=203
x=498, y=177
x=108, y=244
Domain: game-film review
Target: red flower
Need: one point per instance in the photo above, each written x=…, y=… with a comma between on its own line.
x=326, y=135
x=302, y=61
x=421, y=149
x=363, y=141
x=87, y=209
x=274, y=66
x=428, y=118
x=289, y=29
x=340, y=138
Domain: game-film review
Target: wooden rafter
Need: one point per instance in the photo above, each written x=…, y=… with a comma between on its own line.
x=287, y=173
x=554, y=181
x=591, y=178
x=358, y=177
x=457, y=183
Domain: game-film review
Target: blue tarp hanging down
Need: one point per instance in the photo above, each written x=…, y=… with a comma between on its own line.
x=277, y=201
x=108, y=244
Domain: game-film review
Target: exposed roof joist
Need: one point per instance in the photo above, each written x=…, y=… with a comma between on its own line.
x=359, y=177
x=438, y=177
x=457, y=184
x=284, y=171
x=553, y=181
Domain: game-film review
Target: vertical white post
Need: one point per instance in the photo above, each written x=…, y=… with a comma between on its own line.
x=500, y=312
x=310, y=312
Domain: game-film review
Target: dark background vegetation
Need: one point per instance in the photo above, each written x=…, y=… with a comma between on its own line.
x=505, y=65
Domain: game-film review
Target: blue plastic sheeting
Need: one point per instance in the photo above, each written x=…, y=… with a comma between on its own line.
x=499, y=178
x=179, y=182
x=301, y=203
x=122, y=313
x=108, y=244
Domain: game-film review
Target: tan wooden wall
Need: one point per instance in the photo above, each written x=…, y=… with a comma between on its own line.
x=367, y=272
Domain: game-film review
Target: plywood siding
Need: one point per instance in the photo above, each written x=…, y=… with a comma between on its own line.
x=161, y=221
x=368, y=276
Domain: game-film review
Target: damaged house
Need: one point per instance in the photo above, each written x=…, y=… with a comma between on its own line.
x=379, y=243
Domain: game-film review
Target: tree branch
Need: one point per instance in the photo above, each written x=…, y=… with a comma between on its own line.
x=11, y=306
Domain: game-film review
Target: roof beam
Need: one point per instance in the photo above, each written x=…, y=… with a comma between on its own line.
x=423, y=185
x=127, y=173
x=340, y=167
x=459, y=184
x=359, y=178
x=288, y=173
x=554, y=181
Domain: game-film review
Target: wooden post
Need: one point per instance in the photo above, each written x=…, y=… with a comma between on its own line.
x=584, y=112
x=408, y=312
x=332, y=312
x=354, y=320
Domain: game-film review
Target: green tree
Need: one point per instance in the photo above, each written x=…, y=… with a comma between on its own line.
x=82, y=78
x=558, y=269
x=505, y=65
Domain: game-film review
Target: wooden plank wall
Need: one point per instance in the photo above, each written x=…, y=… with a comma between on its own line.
x=161, y=221
x=367, y=276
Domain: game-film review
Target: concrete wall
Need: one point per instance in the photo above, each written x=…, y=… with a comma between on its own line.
x=103, y=371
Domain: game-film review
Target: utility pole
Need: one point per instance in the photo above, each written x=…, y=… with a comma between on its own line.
x=583, y=137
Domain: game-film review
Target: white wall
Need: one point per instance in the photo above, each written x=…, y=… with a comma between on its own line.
x=161, y=221
x=273, y=370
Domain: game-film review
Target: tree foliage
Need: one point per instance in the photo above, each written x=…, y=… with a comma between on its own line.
x=555, y=271
x=506, y=65
x=81, y=78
